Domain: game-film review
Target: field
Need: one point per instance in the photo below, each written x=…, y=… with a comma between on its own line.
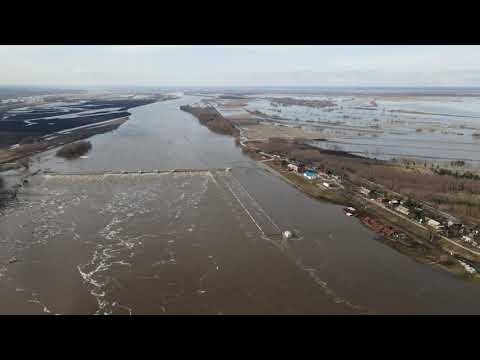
x=37, y=121
x=265, y=131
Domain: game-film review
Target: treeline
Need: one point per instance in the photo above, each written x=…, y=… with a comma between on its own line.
x=456, y=174
x=212, y=119
x=124, y=104
x=459, y=196
x=303, y=102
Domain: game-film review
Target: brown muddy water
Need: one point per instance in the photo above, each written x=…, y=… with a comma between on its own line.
x=204, y=242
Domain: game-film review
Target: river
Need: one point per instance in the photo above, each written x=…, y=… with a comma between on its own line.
x=197, y=243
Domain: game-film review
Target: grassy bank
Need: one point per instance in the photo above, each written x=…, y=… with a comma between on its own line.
x=334, y=196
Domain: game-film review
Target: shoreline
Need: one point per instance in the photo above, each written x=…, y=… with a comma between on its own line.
x=444, y=253
x=415, y=247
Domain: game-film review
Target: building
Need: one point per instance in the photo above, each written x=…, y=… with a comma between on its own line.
x=310, y=175
x=434, y=224
x=402, y=209
x=365, y=191
x=299, y=168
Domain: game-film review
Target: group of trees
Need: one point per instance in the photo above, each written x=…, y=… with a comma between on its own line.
x=212, y=119
x=455, y=194
x=456, y=174
x=74, y=150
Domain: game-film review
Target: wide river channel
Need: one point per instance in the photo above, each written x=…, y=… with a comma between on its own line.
x=202, y=242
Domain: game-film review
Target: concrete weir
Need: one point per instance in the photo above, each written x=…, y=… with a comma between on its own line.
x=135, y=172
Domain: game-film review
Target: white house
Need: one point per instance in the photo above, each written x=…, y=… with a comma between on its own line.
x=402, y=209
x=364, y=191
x=434, y=224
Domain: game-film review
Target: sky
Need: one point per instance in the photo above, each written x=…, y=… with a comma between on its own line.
x=240, y=65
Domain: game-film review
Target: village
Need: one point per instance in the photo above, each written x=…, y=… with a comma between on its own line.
x=438, y=224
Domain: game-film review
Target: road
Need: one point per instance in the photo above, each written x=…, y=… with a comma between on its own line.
x=419, y=225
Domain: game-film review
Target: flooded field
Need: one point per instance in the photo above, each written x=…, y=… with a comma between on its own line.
x=384, y=127
x=200, y=242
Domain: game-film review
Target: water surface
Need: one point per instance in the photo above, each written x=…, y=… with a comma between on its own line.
x=205, y=242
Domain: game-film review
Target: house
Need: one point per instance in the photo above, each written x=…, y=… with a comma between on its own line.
x=364, y=191
x=402, y=209
x=299, y=168
x=434, y=224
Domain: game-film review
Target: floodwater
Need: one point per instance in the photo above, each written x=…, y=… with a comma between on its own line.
x=202, y=242
x=157, y=136
x=396, y=128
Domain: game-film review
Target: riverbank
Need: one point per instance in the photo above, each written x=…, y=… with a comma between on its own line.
x=411, y=239
x=411, y=242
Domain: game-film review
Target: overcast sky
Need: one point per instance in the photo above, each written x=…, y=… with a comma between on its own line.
x=240, y=65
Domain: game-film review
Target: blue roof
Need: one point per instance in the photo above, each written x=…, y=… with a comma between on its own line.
x=310, y=173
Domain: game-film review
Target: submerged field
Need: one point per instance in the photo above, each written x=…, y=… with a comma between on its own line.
x=437, y=129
